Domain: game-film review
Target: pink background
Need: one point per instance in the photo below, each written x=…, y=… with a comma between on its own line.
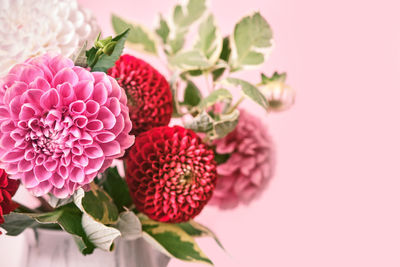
x=335, y=197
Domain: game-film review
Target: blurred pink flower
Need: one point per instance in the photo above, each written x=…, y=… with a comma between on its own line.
x=60, y=125
x=250, y=165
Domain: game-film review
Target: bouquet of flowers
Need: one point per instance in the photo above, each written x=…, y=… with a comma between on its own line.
x=67, y=119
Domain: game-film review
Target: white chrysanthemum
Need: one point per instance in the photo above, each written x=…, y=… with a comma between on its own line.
x=32, y=27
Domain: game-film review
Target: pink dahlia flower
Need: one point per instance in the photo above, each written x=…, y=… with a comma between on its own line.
x=60, y=125
x=250, y=165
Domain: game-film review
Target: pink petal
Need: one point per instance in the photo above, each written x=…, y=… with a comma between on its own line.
x=40, y=83
x=32, y=96
x=86, y=139
x=115, y=106
x=65, y=75
x=77, y=175
x=67, y=93
x=61, y=192
x=25, y=165
x=81, y=160
x=58, y=63
x=94, y=126
x=111, y=149
x=83, y=90
x=92, y=108
x=50, y=164
x=41, y=173
x=63, y=171
x=28, y=111
x=100, y=94
x=13, y=156
x=94, y=165
x=104, y=137
x=80, y=121
x=78, y=107
x=27, y=73
x=94, y=151
x=107, y=117
x=83, y=74
x=57, y=181
x=29, y=179
x=17, y=89
x=50, y=99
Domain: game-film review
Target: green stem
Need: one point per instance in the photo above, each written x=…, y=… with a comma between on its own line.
x=236, y=105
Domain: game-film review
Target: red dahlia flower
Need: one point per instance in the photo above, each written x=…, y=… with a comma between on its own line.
x=171, y=174
x=8, y=188
x=149, y=95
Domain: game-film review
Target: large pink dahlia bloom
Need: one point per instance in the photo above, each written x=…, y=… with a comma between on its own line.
x=60, y=125
x=250, y=165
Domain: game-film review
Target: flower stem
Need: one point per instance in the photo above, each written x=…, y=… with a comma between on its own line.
x=232, y=109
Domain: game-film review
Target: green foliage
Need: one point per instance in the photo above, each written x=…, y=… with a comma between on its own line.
x=117, y=189
x=202, y=123
x=251, y=38
x=221, y=158
x=224, y=56
x=79, y=57
x=192, y=95
x=163, y=30
x=276, y=77
x=93, y=223
x=99, y=205
x=129, y=225
x=196, y=229
x=189, y=60
x=209, y=41
x=226, y=124
x=249, y=90
x=68, y=217
x=215, y=128
x=16, y=223
x=103, y=56
x=139, y=37
x=219, y=95
x=173, y=241
x=184, y=16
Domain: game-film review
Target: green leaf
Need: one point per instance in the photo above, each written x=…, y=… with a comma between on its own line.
x=105, y=62
x=209, y=42
x=57, y=202
x=16, y=223
x=129, y=225
x=189, y=60
x=225, y=53
x=100, y=235
x=215, y=97
x=250, y=90
x=138, y=36
x=173, y=241
x=192, y=95
x=117, y=189
x=69, y=217
x=79, y=57
x=97, y=204
x=163, y=30
x=198, y=230
x=226, y=124
x=251, y=38
x=221, y=158
x=177, y=43
x=202, y=123
x=176, y=113
x=184, y=16
x=276, y=77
